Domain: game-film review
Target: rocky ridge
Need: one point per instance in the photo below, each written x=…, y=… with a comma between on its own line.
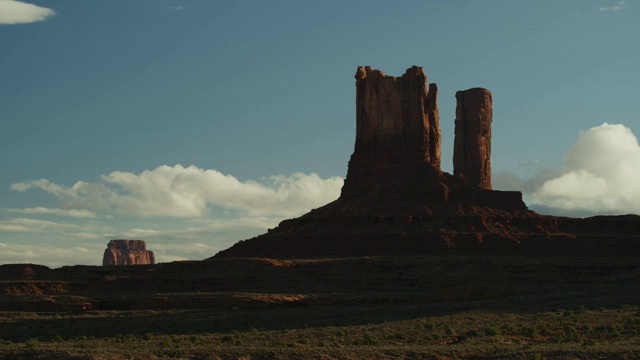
x=397, y=201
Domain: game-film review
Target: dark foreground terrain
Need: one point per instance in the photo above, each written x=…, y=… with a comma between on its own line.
x=428, y=307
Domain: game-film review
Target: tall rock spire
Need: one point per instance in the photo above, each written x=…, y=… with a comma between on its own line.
x=397, y=125
x=472, y=145
x=395, y=199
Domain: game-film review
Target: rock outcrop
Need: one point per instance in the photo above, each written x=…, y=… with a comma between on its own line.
x=397, y=126
x=397, y=201
x=472, y=145
x=127, y=252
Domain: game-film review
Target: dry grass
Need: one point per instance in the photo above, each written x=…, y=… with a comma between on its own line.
x=568, y=334
x=366, y=308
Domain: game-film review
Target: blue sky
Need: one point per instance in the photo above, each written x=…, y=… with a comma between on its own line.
x=195, y=124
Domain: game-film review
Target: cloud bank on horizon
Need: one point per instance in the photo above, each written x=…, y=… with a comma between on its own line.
x=178, y=191
x=210, y=210
x=600, y=174
x=182, y=212
x=17, y=12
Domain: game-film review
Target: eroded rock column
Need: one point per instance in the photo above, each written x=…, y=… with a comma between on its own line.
x=472, y=144
x=397, y=116
x=397, y=128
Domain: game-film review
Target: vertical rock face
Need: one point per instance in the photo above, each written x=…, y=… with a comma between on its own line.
x=397, y=125
x=472, y=145
x=434, y=126
x=396, y=199
x=127, y=252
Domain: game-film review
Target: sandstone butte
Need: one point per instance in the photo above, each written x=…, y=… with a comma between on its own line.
x=127, y=252
x=397, y=201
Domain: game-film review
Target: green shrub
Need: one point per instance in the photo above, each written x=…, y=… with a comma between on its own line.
x=530, y=330
x=429, y=326
x=506, y=328
x=449, y=330
x=475, y=333
x=32, y=343
x=369, y=339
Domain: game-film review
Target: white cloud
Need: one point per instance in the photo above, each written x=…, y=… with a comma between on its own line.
x=618, y=6
x=32, y=225
x=44, y=184
x=83, y=235
x=49, y=255
x=210, y=211
x=167, y=252
x=203, y=239
x=601, y=174
x=29, y=240
x=177, y=191
x=18, y=12
x=55, y=244
x=61, y=212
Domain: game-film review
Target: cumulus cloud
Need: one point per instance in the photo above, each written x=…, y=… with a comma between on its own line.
x=616, y=7
x=18, y=12
x=601, y=174
x=43, y=184
x=61, y=212
x=33, y=225
x=536, y=175
x=202, y=211
x=173, y=240
x=177, y=191
x=49, y=255
x=187, y=239
x=197, y=238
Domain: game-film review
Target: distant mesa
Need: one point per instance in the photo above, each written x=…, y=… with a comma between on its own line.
x=396, y=200
x=127, y=252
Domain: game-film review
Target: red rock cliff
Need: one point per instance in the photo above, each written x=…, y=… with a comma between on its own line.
x=472, y=145
x=397, y=201
x=397, y=126
x=127, y=252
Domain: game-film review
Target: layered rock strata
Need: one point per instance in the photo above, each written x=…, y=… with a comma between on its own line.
x=127, y=252
x=397, y=201
x=472, y=144
x=397, y=127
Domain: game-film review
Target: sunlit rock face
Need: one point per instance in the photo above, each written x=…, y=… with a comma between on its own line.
x=472, y=145
x=127, y=252
x=396, y=200
x=397, y=126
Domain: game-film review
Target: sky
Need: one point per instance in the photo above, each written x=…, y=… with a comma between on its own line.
x=196, y=124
